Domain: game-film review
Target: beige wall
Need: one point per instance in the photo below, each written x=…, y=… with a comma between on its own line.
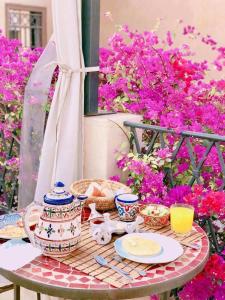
x=207, y=15
x=103, y=138
x=41, y=3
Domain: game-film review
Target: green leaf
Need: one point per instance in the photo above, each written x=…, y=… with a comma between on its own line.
x=46, y=107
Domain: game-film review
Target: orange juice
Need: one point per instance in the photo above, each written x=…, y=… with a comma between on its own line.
x=181, y=218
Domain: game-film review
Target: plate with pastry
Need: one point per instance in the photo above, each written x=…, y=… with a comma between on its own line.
x=148, y=248
x=11, y=226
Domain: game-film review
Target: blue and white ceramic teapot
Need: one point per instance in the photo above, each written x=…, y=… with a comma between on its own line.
x=59, y=228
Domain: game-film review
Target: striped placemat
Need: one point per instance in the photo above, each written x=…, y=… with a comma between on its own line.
x=83, y=257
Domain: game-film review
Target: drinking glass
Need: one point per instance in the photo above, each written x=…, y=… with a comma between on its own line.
x=181, y=218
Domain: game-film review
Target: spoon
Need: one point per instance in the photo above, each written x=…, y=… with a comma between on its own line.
x=120, y=260
x=103, y=262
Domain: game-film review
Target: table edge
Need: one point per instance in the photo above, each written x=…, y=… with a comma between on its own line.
x=113, y=293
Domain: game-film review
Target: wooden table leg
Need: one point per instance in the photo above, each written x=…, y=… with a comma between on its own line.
x=164, y=296
x=16, y=292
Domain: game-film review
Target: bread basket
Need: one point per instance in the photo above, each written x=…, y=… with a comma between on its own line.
x=102, y=203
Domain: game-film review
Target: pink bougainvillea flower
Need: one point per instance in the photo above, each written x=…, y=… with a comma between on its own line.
x=115, y=178
x=209, y=283
x=164, y=153
x=207, y=203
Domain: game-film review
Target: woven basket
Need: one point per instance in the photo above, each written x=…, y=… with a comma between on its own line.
x=102, y=203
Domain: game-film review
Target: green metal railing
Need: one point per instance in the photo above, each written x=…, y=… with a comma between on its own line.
x=157, y=134
x=188, y=138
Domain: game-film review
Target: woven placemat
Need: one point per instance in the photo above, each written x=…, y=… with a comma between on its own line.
x=83, y=260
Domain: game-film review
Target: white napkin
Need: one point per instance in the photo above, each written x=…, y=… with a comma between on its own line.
x=14, y=254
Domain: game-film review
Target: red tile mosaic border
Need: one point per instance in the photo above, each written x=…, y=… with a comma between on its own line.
x=49, y=271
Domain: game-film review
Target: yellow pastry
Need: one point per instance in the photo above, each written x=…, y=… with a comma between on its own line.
x=139, y=246
x=12, y=231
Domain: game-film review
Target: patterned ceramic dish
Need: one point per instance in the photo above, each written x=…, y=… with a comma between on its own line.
x=11, y=226
x=155, y=215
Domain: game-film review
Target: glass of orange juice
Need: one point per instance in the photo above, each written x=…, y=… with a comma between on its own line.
x=181, y=218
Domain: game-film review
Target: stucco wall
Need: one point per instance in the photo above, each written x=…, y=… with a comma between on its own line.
x=207, y=15
x=41, y=3
x=103, y=138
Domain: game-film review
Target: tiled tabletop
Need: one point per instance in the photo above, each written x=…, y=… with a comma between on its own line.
x=52, y=275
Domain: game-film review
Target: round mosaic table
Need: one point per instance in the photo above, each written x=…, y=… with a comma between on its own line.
x=51, y=277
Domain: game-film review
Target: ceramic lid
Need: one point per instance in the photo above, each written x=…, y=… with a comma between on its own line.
x=127, y=198
x=58, y=196
x=82, y=197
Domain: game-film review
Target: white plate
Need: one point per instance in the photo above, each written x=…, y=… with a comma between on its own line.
x=12, y=220
x=171, y=249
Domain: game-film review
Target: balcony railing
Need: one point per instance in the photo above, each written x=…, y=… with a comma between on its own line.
x=157, y=134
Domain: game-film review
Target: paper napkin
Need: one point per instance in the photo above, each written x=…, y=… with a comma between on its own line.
x=16, y=253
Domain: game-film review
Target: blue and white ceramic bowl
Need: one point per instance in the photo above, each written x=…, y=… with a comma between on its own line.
x=127, y=206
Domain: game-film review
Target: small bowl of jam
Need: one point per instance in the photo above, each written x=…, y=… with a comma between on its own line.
x=96, y=223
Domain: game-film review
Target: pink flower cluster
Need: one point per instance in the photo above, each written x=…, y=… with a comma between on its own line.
x=209, y=284
x=206, y=203
x=16, y=65
x=164, y=84
x=169, y=88
x=143, y=179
